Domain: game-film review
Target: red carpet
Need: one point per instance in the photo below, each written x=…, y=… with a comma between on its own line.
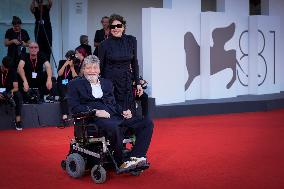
x=236, y=151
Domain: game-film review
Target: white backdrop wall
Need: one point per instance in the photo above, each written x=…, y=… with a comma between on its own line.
x=276, y=8
x=265, y=65
x=233, y=60
x=74, y=24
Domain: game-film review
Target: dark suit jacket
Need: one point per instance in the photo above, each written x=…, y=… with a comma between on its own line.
x=80, y=98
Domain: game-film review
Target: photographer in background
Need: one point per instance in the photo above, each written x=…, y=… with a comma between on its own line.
x=43, y=30
x=16, y=39
x=32, y=75
x=68, y=70
x=81, y=53
x=9, y=93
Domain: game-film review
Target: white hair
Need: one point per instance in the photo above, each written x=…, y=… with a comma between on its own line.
x=91, y=59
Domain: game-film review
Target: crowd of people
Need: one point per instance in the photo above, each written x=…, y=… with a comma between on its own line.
x=107, y=81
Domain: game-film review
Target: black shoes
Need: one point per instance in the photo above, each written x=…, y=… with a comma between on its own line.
x=18, y=126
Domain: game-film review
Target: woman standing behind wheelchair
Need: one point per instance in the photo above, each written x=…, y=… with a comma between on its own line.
x=68, y=70
x=117, y=55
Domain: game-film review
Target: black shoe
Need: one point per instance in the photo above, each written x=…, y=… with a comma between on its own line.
x=50, y=99
x=64, y=123
x=18, y=126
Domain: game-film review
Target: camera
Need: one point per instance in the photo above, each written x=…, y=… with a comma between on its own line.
x=8, y=98
x=33, y=96
x=71, y=55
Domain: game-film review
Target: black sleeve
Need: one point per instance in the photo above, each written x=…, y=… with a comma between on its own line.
x=73, y=98
x=8, y=35
x=42, y=58
x=134, y=62
x=102, y=54
x=97, y=38
x=61, y=63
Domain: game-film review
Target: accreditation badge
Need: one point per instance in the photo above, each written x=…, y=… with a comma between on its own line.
x=34, y=75
x=2, y=90
x=65, y=81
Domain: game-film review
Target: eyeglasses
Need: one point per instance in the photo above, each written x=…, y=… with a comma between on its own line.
x=33, y=47
x=115, y=26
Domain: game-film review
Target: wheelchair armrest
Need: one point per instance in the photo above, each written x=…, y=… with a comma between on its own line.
x=83, y=115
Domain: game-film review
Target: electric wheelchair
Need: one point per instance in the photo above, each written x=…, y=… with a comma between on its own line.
x=90, y=151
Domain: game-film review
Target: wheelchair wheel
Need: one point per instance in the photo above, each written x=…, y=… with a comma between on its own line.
x=63, y=165
x=98, y=174
x=75, y=165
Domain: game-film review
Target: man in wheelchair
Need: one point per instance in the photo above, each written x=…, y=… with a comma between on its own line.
x=91, y=93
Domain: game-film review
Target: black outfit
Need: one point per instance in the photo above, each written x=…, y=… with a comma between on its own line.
x=100, y=36
x=7, y=80
x=80, y=99
x=144, y=103
x=43, y=30
x=118, y=56
x=15, y=51
x=35, y=66
x=87, y=48
x=62, y=82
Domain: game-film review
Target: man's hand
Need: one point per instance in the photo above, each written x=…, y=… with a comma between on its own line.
x=26, y=86
x=48, y=84
x=127, y=114
x=102, y=113
x=16, y=41
x=139, y=90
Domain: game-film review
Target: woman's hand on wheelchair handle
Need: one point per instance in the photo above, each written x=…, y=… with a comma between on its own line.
x=102, y=113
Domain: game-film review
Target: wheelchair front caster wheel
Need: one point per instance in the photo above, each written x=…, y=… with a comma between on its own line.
x=63, y=165
x=75, y=165
x=98, y=174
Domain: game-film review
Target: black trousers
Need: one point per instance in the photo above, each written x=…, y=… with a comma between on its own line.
x=17, y=97
x=43, y=35
x=62, y=91
x=144, y=103
x=114, y=127
x=19, y=102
